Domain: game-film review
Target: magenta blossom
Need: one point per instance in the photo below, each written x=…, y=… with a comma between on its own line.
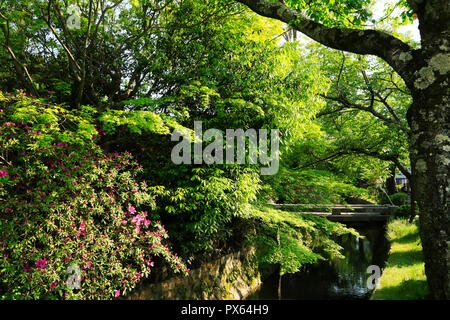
x=117, y=293
x=41, y=263
x=3, y=173
x=131, y=209
x=138, y=219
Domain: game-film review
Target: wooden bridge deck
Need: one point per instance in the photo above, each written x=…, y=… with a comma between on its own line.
x=344, y=213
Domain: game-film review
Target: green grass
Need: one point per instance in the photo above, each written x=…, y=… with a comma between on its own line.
x=404, y=275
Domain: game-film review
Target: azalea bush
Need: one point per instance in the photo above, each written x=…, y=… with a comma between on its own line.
x=65, y=203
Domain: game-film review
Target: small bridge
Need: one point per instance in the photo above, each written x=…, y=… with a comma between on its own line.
x=349, y=213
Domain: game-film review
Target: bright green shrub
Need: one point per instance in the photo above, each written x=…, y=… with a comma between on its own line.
x=204, y=205
x=399, y=198
x=404, y=210
x=64, y=202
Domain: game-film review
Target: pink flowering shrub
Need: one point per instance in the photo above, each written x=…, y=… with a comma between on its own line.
x=64, y=203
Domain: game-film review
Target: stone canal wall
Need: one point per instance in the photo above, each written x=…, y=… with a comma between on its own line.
x=233, y=276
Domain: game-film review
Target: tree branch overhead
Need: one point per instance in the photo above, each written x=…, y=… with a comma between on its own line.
x=399, y=55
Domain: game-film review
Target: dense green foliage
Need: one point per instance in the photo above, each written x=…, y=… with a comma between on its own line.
x=403, y=211
x=86, y=176
x=203, y=212
x=398, y=199
x=346, y=13
x=292, y=240
x=310, y=186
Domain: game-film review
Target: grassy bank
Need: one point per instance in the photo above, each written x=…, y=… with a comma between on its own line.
x=404, y=275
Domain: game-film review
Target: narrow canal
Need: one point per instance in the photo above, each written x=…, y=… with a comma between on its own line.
x=338, y=279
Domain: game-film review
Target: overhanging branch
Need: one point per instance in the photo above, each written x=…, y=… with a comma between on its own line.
x=395, y=52
x=394, y=158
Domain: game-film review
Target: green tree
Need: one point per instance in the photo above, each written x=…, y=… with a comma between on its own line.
x=425, y=71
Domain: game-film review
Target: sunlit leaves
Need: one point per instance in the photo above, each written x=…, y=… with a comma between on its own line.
x=293, y=240
x=342, y=13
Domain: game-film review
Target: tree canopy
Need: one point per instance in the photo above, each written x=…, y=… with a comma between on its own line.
x=91, y=91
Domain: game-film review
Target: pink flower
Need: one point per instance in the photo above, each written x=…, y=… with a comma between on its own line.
x=146, y=223
x=53, y=285
x=117, y=293
x=41, y=263
x=137, y=220
x=3, y=173
x=131, y=209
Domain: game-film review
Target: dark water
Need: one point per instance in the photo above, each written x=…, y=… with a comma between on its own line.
x=333, y=280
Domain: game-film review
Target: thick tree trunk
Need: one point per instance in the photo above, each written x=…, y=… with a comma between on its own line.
x=430, y=157
x=429, y=119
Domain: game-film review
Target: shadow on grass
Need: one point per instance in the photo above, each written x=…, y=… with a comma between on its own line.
x=406, y=252
x=407, y=290
x=407, y=258
x=409, y=238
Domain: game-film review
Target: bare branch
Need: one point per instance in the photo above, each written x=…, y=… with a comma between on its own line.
x=21, y=69
x=73, y=64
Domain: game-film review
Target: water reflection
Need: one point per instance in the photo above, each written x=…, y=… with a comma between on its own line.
x=336, y=279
